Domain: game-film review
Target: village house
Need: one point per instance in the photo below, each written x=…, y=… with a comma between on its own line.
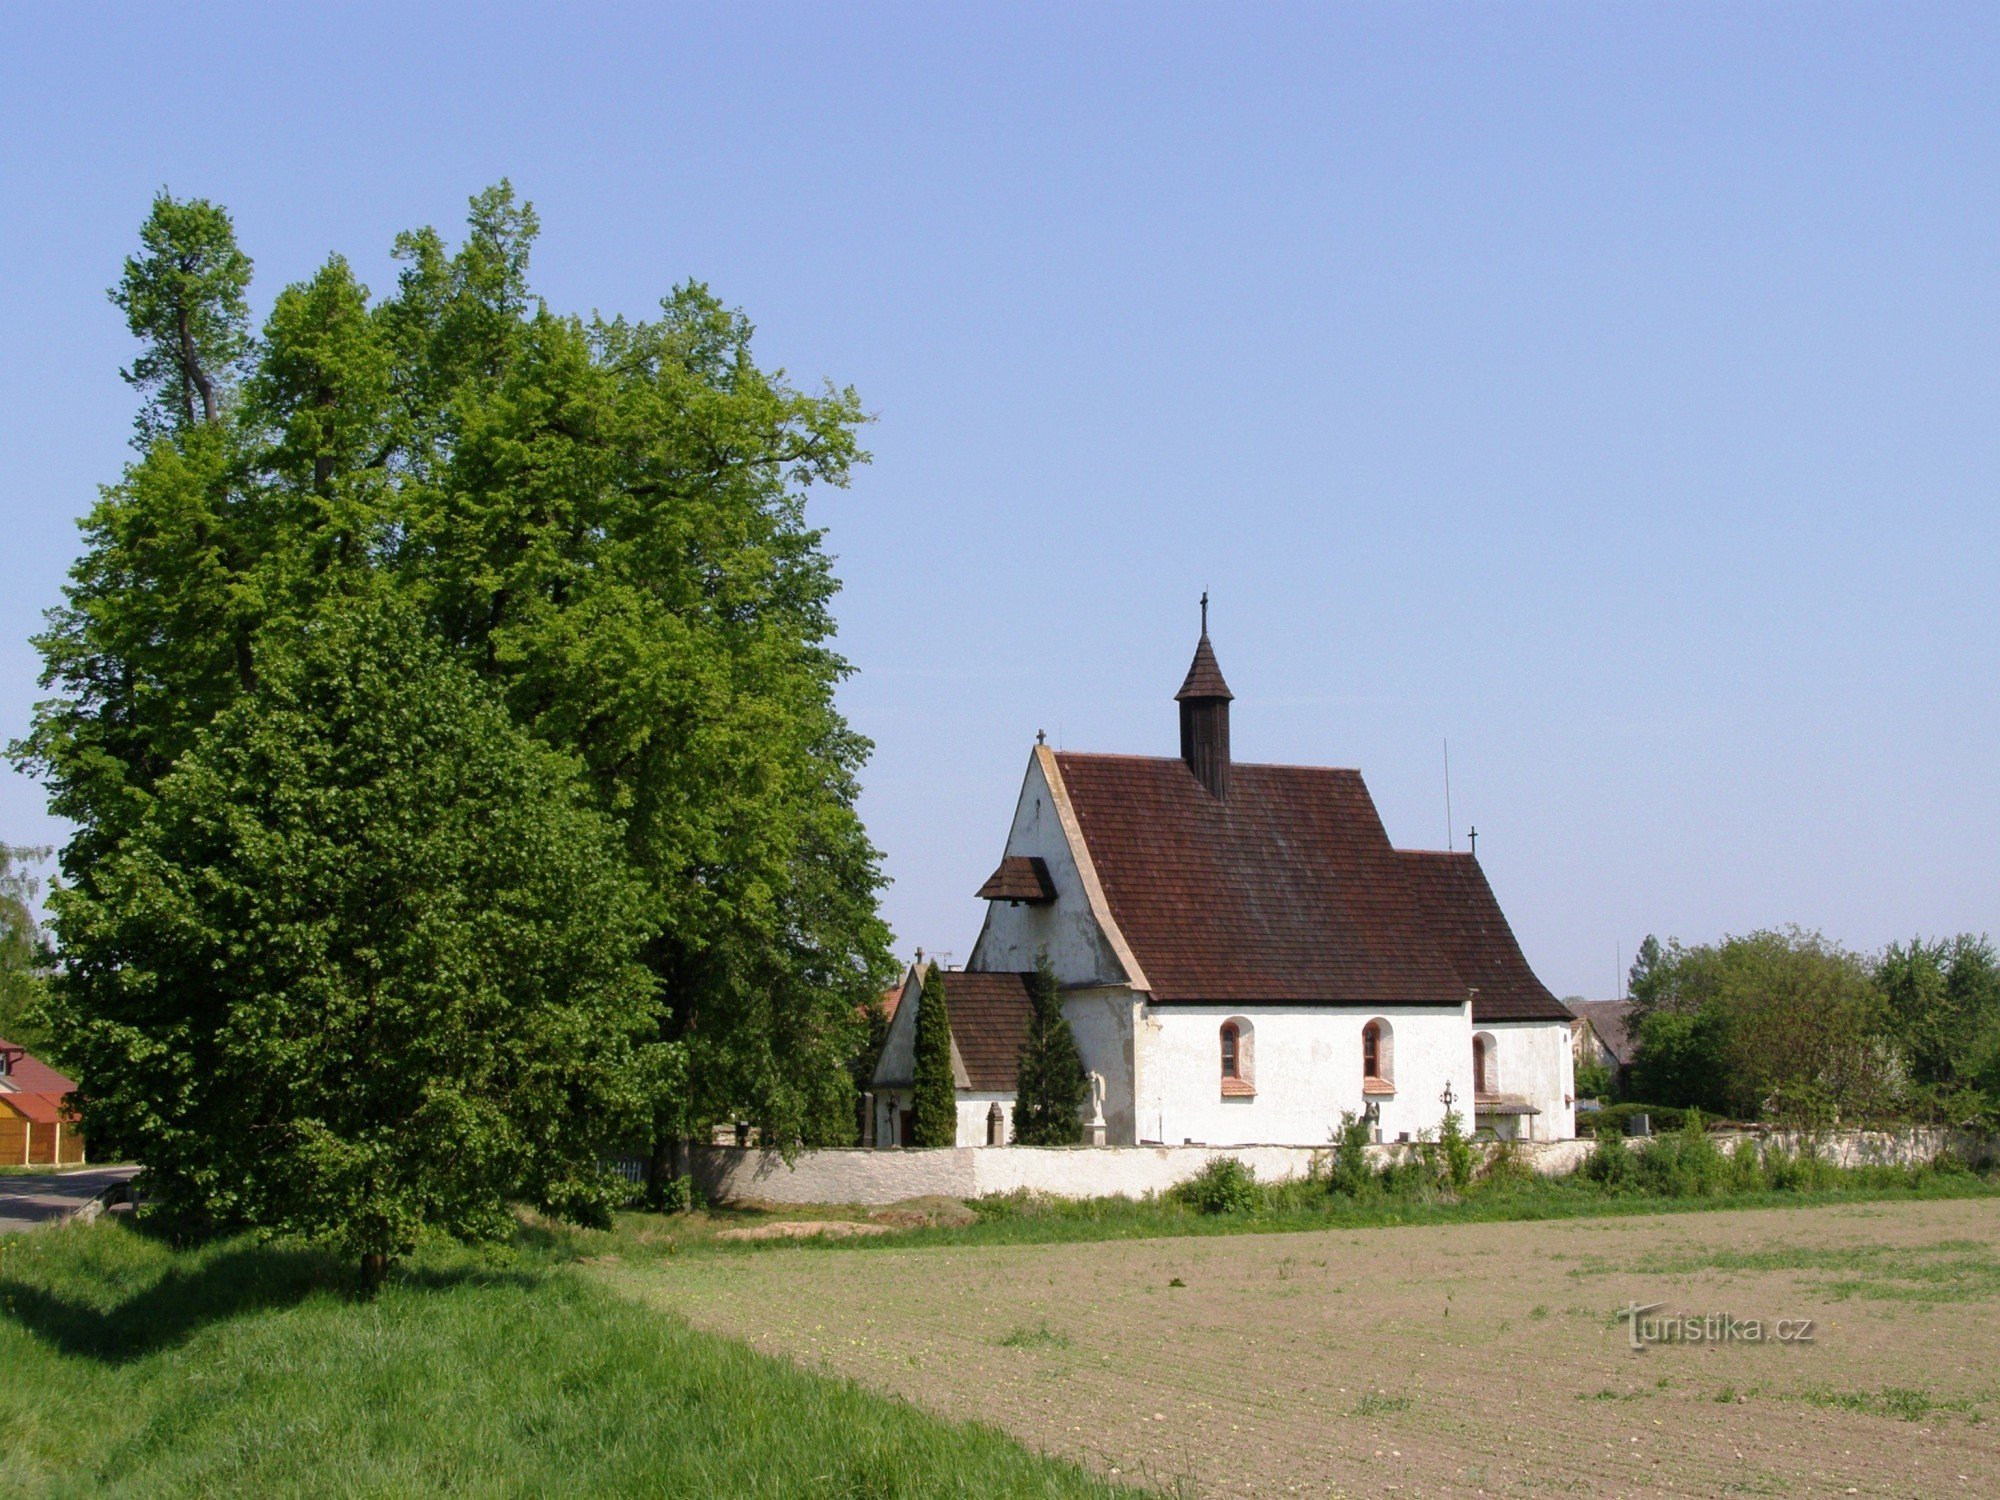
x=1603, y=1037
x=35, y=1123
x=1243, y=957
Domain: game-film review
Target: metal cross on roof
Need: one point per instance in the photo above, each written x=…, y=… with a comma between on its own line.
x=1204, y=611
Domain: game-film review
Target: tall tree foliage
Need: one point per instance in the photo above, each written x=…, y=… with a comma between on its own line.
x=603, y=520
x=1770, y=1022
x=368, y=961
x=1943, y=1003
x=1050, y=1081
x=934, y=1102
x=24, y=951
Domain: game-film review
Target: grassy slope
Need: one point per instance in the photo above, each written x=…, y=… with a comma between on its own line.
x=244, y=1369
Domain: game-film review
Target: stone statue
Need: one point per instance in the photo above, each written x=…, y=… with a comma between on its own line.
x=1097, y=1102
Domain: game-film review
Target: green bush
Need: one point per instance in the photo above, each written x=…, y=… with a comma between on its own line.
x=1685, y=1164
x=1664, y=1117
x=1455, y=1150
x=1746, y=1167
x=1224, y=1186
x=1800, y=1171
x=1505, y=1167
x=1610, y=1164
x=1351, y=1171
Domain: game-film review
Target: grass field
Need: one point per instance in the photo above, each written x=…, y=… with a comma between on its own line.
x=1482, y=1357
x=1315, y=1344
x=247, y=1369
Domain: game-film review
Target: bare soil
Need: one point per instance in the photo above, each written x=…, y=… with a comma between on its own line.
x=1465, y=1359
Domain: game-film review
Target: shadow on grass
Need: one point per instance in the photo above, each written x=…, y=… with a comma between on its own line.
x=220, y=1284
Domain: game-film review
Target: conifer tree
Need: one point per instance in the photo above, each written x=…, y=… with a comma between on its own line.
x=934, y=1120
x=1050, y=1082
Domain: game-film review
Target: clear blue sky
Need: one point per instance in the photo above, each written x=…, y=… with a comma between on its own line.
x=1611, y=389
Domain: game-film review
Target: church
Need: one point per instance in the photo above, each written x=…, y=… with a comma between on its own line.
x=1243, y=958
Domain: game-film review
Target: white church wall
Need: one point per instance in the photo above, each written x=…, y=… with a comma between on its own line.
x=1014, y=933
x=1534, y=1059
x=973, y=1108
x=1306, y=1067
x=1102, y=1020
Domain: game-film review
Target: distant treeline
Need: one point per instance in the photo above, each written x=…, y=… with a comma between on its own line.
x=1790, y=1027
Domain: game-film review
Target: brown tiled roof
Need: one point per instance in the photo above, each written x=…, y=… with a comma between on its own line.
x=1286, y=891
x=31, y=1075
x=1021, y=877
x=989, y=1021
x=1204, y=678
x=1474, y=936
x=1612, y=1021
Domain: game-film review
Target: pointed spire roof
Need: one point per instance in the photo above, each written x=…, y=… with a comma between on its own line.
x=1204, y=678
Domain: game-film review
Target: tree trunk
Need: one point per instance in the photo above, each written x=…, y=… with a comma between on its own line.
x=374, y=1267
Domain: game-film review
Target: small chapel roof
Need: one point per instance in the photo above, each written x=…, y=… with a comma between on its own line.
x=1289, y=892
x=1021, y=877
x=1204, y=677
x=989, y=1021
x=989, y=1015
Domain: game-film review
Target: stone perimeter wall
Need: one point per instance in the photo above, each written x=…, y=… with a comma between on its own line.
x=873, y=1177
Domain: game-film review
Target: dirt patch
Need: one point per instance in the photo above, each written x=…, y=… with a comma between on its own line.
x=805, y=1229
x=1465, y=1359
x=928, y=1212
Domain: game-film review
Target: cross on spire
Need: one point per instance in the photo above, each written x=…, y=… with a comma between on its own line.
x=1204, y=611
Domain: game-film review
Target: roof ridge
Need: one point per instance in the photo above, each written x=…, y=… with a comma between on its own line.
x=1175, y=760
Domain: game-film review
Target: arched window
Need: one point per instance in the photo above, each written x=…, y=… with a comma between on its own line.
x=1485, y=1065
x=1238, y=1044
x=1378, y=1058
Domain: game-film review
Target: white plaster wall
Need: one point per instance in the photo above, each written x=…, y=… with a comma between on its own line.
x=1013, y=935
x=972, y=1108
x=889, y=1103
x=1102, y=1022
x=857, y=1175
x=1306, y=1066
x=1535, y=1060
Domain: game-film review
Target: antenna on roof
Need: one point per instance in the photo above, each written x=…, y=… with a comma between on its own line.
x=1447, y=797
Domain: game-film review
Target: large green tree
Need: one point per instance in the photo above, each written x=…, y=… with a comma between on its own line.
x=367, y=964
x=1943, y=1006
x=1050, y=1082
x=1774, y=1021
x=933, y=1088
x=24, y=951
x=602, y=519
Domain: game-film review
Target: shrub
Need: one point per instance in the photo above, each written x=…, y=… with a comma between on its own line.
x=1685, y=1164
x=1746, y=1167
x=1351, y=1171
x=1610, y=1164
x=1505, y=1167
x=1224, y=1186
x=1796, y=1171
x=1455, y=1151
x=1663, y=1116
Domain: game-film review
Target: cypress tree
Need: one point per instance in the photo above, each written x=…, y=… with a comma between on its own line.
x=935, y=1115
x=1050, y=1082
